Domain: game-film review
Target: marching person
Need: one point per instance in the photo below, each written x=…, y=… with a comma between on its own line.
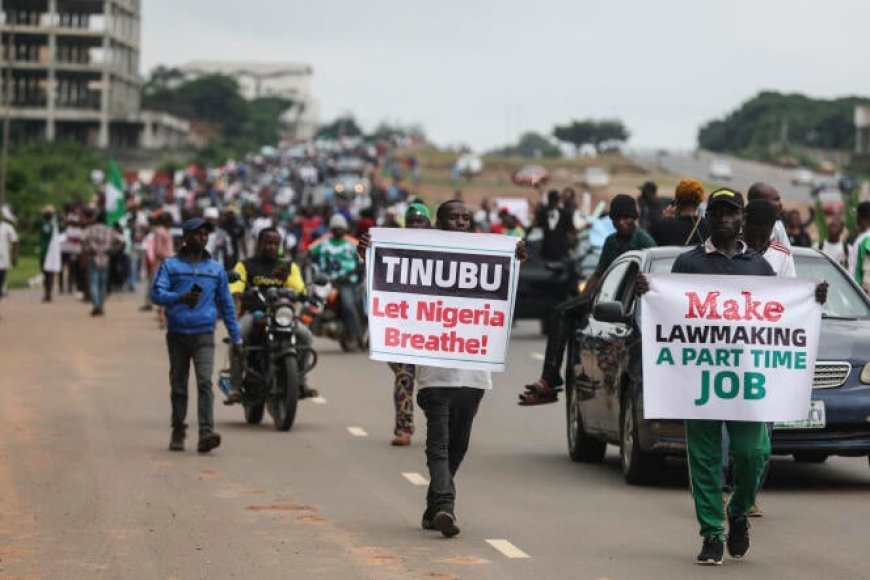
x=194, y=290
x=450, y=399
x=8, y=245
x=98, y=241
x=724, y=254
x=859, y=254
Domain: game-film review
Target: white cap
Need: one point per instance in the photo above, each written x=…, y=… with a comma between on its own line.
x=8, y=215
x=338, y=221
x=211, y=213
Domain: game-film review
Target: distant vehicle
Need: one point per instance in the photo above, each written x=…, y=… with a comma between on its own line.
x=353, y=165
x=802, y=176
x=351, y=185
x=830, y=196
x=531, y=175
x=721, y=169
x=595, y=177
x=468, y=165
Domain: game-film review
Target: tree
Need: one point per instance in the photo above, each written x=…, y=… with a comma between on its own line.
x=607, y=132
x=578, y=133
x=341, y=127
x=531, y=144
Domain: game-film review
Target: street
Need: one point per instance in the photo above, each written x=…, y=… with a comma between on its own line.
x=88, y=488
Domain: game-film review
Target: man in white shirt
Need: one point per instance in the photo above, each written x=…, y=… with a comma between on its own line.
x=450, y=399
x=8, y=246
x=768, y=193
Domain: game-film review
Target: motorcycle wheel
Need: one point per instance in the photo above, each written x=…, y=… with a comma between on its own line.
x=254, y=413
x=283, y=406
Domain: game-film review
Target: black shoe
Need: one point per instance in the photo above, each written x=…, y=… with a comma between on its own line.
x=738, y=536
x=711, y=552
x=233, y=398
x=445, y=522
x=428, y=516
x=208, y=440
x=177, y=441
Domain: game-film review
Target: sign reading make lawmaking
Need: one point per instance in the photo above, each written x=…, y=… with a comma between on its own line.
x=440, y=298
x=740, y=348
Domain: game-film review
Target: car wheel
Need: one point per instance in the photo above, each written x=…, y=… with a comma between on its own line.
x=810, y=457
x=581, y=447
x=638, y=468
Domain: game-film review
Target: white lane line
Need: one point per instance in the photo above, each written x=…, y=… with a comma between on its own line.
x=357, y=431
x=537, y=356
x=415, y=478
x=318, y=401
x=507, y=549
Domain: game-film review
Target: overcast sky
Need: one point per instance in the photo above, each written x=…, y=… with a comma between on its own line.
x=482, y=71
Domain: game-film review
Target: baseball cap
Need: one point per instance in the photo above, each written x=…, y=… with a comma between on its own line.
x=194, y=224
x=418, y=209
x=338, y=221
x=623, y=206
x=727, y=197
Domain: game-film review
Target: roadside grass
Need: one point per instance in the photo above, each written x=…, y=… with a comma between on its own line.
x=17, y=277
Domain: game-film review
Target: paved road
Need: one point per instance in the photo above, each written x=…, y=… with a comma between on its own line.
x=745, y=173
x=87, y=488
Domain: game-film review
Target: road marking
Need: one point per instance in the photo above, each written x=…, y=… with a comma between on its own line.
x=537, y=355
x=507, y=549
x=416, y=478
x=357, y=431
x=318, y=401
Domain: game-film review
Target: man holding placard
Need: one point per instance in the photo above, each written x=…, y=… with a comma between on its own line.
x=737, y=322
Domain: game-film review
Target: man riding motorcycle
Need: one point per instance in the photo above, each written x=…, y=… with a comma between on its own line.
x=265, y=270
x=336, y=256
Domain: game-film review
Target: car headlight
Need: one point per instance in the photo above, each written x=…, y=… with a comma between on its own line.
x=284, y=316
x=581, y=287
x=865, y=374
x=339, y=188
x=358, y=188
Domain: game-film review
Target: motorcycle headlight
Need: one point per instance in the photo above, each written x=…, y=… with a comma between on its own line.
x=865, y=374
x=284, y=316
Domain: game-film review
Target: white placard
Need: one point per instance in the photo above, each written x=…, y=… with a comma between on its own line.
x=739, y=348
x=443, y=299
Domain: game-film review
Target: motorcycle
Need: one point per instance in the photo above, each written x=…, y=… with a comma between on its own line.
x=272, y=376
x=322, y=312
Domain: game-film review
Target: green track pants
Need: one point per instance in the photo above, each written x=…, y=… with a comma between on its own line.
x=750, y=448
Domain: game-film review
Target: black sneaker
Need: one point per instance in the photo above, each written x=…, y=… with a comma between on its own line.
x=738, y=536
x=445, y=522
x=177, y=441
x=428, y=516
x=208, y=440
x=711, y=552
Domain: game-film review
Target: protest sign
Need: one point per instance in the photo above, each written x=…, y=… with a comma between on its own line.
x=441, y=298
x=739, y=348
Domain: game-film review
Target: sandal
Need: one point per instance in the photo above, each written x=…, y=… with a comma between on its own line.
x=539, y=393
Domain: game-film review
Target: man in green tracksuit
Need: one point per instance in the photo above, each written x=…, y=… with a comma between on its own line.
x=724, y=253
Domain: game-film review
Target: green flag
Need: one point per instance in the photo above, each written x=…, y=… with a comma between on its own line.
x=115, y=207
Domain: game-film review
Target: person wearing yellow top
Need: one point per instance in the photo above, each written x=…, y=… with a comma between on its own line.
x=265, y=270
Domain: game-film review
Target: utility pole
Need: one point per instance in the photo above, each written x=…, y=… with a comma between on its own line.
x=7, y=101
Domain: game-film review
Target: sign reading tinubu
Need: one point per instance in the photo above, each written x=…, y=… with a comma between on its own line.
x=441, y=298
x=739, y=348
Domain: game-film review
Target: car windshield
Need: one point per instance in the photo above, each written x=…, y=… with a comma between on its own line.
x=844, y=300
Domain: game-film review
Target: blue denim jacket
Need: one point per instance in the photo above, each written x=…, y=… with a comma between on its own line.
x=176, y=277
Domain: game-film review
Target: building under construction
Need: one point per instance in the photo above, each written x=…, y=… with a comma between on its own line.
x=72, y=68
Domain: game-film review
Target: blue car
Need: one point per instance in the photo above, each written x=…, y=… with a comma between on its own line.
x=605, y=380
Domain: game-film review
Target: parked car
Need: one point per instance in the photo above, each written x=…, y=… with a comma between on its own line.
x=605, y=379
x=469, y=165
x=721, y=169
x=802, y=176
x=531, y=176
x=595, y=177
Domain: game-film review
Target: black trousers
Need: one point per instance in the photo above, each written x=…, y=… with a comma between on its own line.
x=449, y=413
x=566, y=315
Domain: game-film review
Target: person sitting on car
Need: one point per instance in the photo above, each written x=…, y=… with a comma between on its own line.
x=623, y=213
x=265, y=270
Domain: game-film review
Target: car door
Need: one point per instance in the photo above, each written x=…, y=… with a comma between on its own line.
x=601, y=346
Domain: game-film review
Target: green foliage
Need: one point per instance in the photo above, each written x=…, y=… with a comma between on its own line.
x=386, y=131
x=216, y=100
x=532, y=145
x=341, y=127
x=604, y=134
x=772, y=118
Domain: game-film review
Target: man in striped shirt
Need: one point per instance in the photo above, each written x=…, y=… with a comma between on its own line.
x=98, y=241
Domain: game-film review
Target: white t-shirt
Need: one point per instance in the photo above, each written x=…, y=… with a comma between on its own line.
x=8, y=236
x=780, y=259
x=836, y=251
x=443, y=377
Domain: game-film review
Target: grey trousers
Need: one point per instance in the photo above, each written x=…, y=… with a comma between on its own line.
x=184, y=349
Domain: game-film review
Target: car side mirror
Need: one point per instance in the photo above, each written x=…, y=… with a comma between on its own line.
x=609, y=312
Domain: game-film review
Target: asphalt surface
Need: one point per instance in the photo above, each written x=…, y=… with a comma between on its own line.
x=88, y=488
x=745, y=173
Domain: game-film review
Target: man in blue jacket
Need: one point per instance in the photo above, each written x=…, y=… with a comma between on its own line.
x=194, y=289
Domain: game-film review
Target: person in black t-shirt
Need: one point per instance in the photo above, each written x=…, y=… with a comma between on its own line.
x=650, y=206
x=685, y=228
x=557, y=226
